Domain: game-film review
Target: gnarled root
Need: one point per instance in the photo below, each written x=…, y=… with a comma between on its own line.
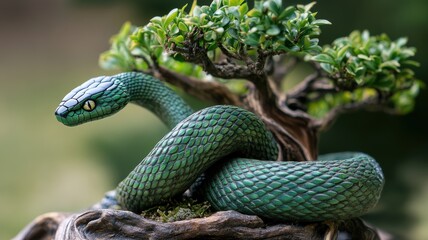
x=108, y=224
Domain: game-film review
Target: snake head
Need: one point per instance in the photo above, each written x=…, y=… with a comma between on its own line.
x=96, y=98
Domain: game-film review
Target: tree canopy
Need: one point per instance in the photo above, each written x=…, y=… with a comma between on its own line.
x=353, y=72
x=227, y=53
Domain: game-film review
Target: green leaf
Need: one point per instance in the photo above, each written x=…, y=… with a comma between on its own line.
x=174, y=30
x=212, y=47
x=170, y=17
x=196, y=11
x=225, y=21
x=324, y=58
x=342, y=52
x=183, y=27
x=309, y=6
x=178, y=39
x=306, y=42
x=401, y=42
x=161, y=36
x=192, y=8
x=321, y=22
x=157, y=52
x=243, y=9
x=233, y=33
x=252, y=39
x=273, y=30
x=408, y=52
x=156, y=20
x=234, y=2
x=328, y=68
x=385, y=83
x=219, y=30
x=254, y=13
x=287, y=13
x=273, y=7
x=295, y=49
x=331, y=52
x=390, y=64
x=411, y=63
x=210, y=35
x=364, y=57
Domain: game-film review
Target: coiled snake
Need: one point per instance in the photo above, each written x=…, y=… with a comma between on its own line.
x=233, y=148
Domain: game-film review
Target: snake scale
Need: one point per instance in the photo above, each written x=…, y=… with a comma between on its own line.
x=235, y=151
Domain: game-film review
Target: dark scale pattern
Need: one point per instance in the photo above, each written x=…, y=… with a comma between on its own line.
x=152, y=94
x=189, y=149
x=303, y=191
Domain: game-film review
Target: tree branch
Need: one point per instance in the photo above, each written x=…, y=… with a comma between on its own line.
x=229, y=54
x=198, y=55
x=375, y=103
x=277, y=67
x=312, y=83
x=205, y=90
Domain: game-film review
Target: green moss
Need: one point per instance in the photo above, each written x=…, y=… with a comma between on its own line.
x=178, y=209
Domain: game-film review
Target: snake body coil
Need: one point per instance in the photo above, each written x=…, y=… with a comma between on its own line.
x=235, y=151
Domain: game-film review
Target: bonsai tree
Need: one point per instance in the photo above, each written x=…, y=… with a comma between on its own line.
x=208, y=50
x=227, y=53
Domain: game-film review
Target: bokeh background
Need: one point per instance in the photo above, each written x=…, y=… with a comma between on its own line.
x=48, y=47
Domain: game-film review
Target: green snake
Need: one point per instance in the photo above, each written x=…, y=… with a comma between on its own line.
x=235, y=151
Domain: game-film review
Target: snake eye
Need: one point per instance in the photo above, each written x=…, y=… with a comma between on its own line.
x=89, y=105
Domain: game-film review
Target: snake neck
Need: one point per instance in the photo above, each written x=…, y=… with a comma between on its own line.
x=152, y=94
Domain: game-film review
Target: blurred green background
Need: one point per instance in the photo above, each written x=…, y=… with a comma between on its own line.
x=47, y=47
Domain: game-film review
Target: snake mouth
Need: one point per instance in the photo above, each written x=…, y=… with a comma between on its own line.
x=72, y=119
x=64, y=120
x=61, y=114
